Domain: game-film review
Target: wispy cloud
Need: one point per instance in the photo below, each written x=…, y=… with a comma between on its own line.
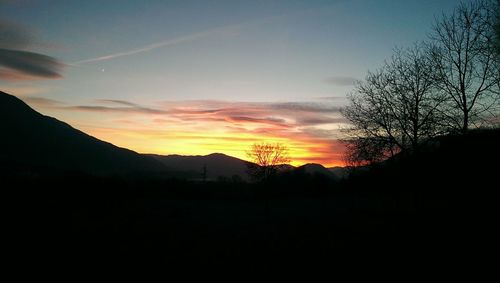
x=115, y=101
x=283, y=114
x=18, y=64
x=123, y=107
x=137, y=110
x=224, y=30
x=43, y=102
x=153, y=46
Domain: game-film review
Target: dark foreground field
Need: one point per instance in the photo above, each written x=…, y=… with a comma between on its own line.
x=406, y=210
x=211, y=225
x=103, y=224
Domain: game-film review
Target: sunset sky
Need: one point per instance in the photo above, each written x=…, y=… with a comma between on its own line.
x=198, y=77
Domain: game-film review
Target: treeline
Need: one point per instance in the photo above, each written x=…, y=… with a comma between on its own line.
x=446, y=84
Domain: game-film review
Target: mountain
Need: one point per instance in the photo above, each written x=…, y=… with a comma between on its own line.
x=317, y=169
x=33, y=142
x=216, y=165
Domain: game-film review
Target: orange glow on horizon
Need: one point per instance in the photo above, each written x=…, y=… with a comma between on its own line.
x=204, y=143
x=308, y=130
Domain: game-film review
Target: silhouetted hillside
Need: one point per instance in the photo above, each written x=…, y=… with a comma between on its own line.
x=32, y=142
x=317, y=169
x=216, y=165
x=454, y=162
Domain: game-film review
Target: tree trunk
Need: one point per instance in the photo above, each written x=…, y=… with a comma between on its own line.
x=415, y=144
x=465, y=126
x=415, y=140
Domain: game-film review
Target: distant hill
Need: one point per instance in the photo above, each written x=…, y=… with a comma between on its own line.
x=216, y=164
x=33, y=142
x=317, y=169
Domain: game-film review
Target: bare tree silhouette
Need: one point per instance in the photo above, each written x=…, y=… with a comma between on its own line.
x=467, y=63
x=266, y=159
x=446, y=85
x=394, y=109
x=497, y=25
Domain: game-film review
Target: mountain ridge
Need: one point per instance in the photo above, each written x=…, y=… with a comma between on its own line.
x=40, y=143
x=209, y=167
x=34, y=141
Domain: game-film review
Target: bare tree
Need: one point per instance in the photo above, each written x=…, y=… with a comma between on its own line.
x=495, y=6
x=467, y=64
x=372, y=135
x=266, y=158
x=395, y=109
x=415, y=104
x=497, y=26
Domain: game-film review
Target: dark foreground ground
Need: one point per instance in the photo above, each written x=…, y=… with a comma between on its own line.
x=105, y=224
x=419, y=214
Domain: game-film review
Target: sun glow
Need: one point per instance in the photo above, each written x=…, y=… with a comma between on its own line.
x=203, y=127
x=203, y=143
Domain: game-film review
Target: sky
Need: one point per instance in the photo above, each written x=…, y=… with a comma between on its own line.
x=198, y=77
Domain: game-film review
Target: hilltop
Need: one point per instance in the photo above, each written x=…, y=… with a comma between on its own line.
x=34, y=143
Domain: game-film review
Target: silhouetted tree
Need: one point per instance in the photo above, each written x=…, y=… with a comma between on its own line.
x=466, y=62
x=497, y=26
x=266, y=159
x=415, y=103
x=495, y=7
x=394, y=109
x=372, y=135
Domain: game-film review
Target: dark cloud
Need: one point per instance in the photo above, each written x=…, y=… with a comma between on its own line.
x=18, y=64
x=341, y=81
x=125, y=107
x=135, y=109
x=115, y=101
x=30, y=63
